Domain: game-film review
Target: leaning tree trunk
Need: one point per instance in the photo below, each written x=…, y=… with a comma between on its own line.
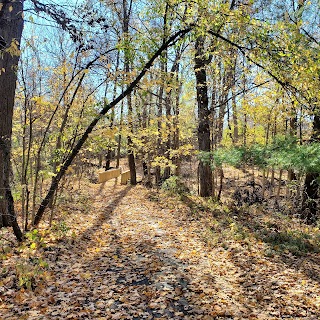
x=76, y=148
x=11, y=26
x=204, y=170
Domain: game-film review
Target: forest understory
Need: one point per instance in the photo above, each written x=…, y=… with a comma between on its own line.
x=122, y=252
x=216, y=102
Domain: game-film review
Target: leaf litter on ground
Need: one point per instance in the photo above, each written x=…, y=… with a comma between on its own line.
x=141, y=254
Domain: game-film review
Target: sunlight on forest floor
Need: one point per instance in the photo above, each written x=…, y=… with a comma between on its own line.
x=122, y=252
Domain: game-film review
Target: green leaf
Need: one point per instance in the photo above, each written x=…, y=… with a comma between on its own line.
x=33, y=246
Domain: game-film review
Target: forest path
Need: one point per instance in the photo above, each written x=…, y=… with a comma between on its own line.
x=140, y=254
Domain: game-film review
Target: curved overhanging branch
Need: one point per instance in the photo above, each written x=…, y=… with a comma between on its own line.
x=241, y=92
x=242, y=50
x=55, y=181
x=284, y=84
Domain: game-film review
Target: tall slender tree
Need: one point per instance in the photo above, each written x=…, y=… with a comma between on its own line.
x=127, y=7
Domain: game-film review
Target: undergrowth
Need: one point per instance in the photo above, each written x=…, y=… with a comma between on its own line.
x=253, y=224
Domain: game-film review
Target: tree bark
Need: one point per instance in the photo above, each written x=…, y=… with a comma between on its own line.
x=131, y=157
x=311, y=184
x=11, y=26
x=204, y=170
x=159, y=115
x=293, y=126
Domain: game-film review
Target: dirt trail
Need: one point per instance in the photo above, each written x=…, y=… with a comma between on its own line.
x=140, y=255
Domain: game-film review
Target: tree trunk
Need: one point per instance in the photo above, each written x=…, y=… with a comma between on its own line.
x=293, y=133
x=160, y=115
x=11, y=26
x=176, y=123
x=205, y=174
x=119, y=137
x=131, y=158
x=144, y=137
x=235, y=121
x=110, y=150
x=234, y=104
x=311, y=184
x=168, y=104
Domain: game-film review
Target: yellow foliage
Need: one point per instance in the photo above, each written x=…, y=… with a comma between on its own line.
x=13, y=49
